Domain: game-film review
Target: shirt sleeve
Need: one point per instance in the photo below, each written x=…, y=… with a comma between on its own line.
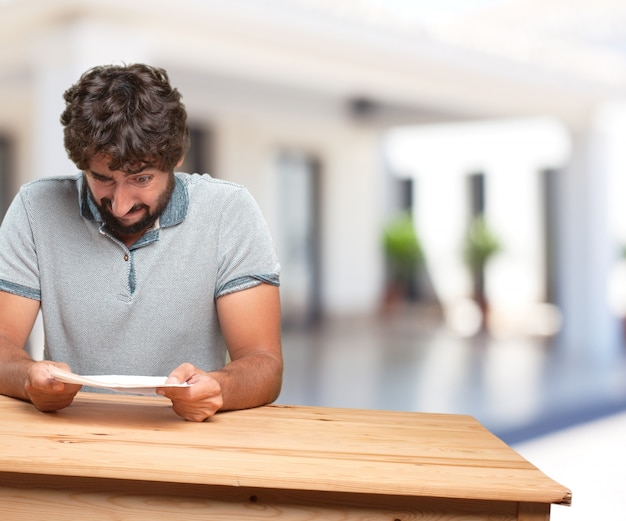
x=19, y=273
x=246, y=249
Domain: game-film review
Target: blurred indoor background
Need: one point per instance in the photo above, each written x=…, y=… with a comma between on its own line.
x=444, y=182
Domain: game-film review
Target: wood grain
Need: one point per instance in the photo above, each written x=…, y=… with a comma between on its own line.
x=285, y=457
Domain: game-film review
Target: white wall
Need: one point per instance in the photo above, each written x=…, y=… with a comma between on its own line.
x=351, y=200
x=511, y=155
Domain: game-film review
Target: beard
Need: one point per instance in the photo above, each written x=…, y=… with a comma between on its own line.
x=147, y=221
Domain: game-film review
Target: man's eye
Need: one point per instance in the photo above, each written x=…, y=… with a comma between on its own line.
x=143, y=180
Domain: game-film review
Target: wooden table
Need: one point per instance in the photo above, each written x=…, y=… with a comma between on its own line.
x=130, y=458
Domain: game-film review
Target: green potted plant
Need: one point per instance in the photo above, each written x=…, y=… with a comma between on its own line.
x=481, y=244
x=404, y=256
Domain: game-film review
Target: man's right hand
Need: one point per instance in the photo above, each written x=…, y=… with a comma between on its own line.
x=46, y=393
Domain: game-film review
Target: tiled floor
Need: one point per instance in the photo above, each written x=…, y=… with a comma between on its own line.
x=518, y=388
x=566, y=416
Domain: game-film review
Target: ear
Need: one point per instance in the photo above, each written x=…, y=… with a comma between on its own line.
x=180, y=161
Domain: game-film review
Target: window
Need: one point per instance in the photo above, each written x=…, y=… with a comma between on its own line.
x=199, y=158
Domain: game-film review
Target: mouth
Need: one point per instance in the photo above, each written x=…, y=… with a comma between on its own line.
x=135, y=210
x=132, y=215
x=129, y=220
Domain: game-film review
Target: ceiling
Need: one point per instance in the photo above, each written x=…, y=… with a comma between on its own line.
x=582, y=37
x=463, y=57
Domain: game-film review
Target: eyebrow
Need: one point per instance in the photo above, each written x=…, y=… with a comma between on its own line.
x=126, y=174
x=97, y=174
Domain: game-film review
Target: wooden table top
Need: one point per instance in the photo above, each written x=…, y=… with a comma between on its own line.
x=286, y=447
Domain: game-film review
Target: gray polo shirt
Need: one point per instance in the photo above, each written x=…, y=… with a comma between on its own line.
x=109, y=309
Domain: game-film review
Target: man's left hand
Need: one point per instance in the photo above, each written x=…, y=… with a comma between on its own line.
x=201, y=400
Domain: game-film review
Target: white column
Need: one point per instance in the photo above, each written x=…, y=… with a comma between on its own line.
x=585, y=247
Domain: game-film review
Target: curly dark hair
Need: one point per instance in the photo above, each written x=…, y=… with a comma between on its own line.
x=129, y=113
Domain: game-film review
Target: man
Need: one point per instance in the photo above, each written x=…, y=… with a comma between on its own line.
x=136, y=269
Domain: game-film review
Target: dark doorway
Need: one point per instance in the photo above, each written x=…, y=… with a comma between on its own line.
x=299, y=240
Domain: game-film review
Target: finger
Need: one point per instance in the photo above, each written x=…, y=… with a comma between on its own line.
x=183, y=373
x=39, y=377
x=193, y=413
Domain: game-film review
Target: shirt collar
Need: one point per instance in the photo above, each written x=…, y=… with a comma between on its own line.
x=174, y=213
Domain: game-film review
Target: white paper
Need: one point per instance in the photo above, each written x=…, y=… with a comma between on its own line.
x=115, y=382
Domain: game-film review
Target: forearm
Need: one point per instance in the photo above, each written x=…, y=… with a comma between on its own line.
x=24, y=378
x=17, y=316
x=14, y=365
x=250, y=381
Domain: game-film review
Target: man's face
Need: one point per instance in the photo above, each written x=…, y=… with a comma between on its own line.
x=129, y=203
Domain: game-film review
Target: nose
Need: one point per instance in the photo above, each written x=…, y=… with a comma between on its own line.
x=121, y=201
